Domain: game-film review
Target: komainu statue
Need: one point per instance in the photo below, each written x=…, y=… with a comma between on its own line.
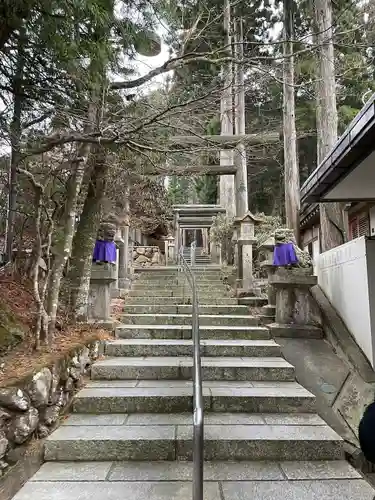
x=105, y=247
x=287, y=253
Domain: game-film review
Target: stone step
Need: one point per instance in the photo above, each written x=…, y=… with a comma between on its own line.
x=180, y=300
x=268, y=311
x=209, y=270
x=253, y=439
x=185, y=319
x=181, y=278
x=171, y=347
x=179, y=292
x=317, y=480
x=253, y=301
x=186, y=309
x=185, y=332
x=199, y=261
x=181, y=368
x=177, y=280
x=199, y=276
x=174, y=396
x=202, y=287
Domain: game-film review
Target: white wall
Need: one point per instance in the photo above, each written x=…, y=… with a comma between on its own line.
x=347, y=276
x=315, y=253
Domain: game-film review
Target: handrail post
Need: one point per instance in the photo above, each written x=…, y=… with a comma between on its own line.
x=198, y=438
x=198, y=416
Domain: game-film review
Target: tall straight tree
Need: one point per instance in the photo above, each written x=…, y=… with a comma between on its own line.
x=332, y=225
x=227, y=188
x=15, y=138
x=242, y=199
x=291, y=169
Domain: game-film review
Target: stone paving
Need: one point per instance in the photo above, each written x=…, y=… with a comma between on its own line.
x=130, y=433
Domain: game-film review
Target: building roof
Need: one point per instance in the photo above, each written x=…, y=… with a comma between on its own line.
x=353, y=147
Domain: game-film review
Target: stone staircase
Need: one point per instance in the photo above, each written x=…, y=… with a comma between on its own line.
x=201, y=259
x=130, y=434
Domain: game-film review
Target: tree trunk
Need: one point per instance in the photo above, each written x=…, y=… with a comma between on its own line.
x=227, y=188
x=291, y=170
x=15, y=139
x=242, y=198
x=332, y=227
x=62, y=248
x=84, y=239
x=41, y=325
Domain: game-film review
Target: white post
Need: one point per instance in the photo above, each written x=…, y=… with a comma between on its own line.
x=192, y=253
x=176, y=237
x=124, y=258
x=130, y=254
x=166, y=250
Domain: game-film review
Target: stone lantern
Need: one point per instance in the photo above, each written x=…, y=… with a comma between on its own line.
x=169, y=248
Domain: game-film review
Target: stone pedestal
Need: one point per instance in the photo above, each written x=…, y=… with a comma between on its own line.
x=270, y=309
x=99, y=301
x=245, y=240
x=296, y=312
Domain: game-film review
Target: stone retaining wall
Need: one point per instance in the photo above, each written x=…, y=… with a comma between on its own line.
x=33, y=406
x=147, y=256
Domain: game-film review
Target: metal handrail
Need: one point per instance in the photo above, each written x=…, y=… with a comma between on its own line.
x=198, y=418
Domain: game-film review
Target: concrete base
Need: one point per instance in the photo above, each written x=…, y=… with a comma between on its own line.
x=295, y=331
x=322, y=372
x=119, y=293
x=340, y=337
